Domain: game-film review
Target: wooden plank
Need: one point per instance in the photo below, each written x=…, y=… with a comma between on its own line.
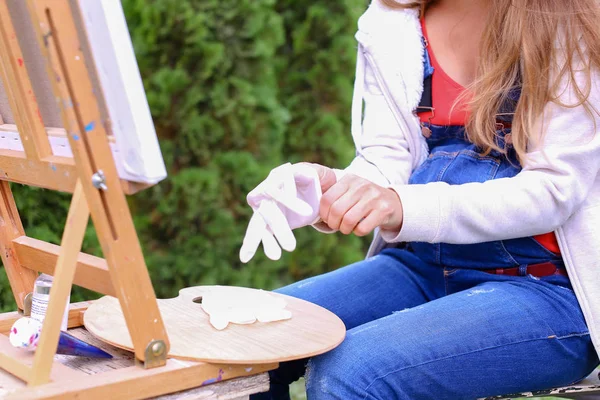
x=60, y=42
x=76, y=311
x=20, y=92
x=253, y=381
x=91, y=273
x=71, y=242
x=21, y=279
x=55, y=173
x=580, y=390
x=24, y=359
x=9, y=363
x=7, y=320
x=234, y=389
x=135, y=383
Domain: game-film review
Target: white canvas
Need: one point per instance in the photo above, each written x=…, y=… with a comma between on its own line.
x=137, y=152
x=135, y=149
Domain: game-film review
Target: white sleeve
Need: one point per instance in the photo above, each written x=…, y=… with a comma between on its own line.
x=382, y=154
x=556, y=178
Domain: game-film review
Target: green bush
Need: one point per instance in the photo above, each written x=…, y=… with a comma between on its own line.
x=235, y=88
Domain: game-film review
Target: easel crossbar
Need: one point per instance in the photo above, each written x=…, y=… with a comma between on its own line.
x=91, y=273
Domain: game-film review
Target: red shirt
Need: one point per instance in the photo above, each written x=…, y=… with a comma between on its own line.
x=444, y=92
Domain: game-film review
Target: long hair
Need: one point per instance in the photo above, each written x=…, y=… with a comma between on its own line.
x=539, y=45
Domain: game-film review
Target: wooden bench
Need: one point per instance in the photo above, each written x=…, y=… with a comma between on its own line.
x=589, y=388
x=234, y=389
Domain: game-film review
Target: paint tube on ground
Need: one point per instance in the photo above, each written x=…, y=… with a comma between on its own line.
x=25, y=334
x=41, y=297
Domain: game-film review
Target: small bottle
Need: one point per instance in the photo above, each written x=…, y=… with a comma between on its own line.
x=41, y=297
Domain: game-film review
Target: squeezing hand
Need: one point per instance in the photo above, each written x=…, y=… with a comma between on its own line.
x=288, y=199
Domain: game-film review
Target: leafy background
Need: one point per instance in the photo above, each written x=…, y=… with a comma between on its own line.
x=236, y=87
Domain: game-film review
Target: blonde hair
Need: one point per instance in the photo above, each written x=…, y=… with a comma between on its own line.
x=539, y=45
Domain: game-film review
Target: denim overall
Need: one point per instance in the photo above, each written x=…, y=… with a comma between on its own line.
x=454, y=160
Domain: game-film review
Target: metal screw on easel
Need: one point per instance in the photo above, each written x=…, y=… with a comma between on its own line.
x=155, y=354
x=99, y=180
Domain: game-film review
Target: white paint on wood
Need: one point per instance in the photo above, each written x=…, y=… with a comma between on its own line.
x=312, y=330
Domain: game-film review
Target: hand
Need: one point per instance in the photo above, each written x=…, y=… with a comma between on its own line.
x=288, y=199
x=357, y=205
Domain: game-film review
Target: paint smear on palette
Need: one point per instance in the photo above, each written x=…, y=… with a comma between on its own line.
x=90, y=126
x=213, y=380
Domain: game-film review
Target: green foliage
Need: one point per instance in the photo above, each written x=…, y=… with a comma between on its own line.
x=235, y=88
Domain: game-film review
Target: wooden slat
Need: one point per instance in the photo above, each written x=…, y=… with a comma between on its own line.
x=234, y=389
x=20, y=92
x=92, y=272
x=76, y=311
x=109, y=209
x=23, y=360
x=55, y=173
x=7, y=320
x=71, y=242
x=135, y=383
x=21, y=279
x=9, y=360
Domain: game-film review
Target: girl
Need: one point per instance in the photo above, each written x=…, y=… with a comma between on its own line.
x=477, y=160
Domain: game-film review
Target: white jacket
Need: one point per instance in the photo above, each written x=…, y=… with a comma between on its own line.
x=557, y=190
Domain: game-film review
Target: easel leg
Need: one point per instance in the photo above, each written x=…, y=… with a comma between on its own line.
x=72, y=240
x=21, y=279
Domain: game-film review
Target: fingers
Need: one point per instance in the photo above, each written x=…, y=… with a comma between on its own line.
x=270, y=245
x=368, y=224
x=325, y=175
x=259, y=231
x=354, y=216
x=327, y=178
x=278, y=224
x=254, y=233
x=344, y=210
x=294, y=204
x=329, y=198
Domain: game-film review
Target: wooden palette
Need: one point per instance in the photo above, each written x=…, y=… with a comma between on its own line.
x=312, y=330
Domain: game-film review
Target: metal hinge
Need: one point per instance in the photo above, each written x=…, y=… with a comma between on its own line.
x=155, y=354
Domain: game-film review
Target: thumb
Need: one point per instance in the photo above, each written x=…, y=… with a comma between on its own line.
x=326, y=177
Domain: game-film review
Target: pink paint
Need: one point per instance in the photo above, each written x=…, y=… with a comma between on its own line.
x=20, y=61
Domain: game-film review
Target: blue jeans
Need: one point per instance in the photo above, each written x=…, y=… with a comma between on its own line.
x=417, y=330
x=427, y=322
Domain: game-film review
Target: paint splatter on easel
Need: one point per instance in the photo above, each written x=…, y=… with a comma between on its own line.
x=213, y=380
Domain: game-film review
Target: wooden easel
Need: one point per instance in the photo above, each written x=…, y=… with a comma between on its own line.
x=97, y=191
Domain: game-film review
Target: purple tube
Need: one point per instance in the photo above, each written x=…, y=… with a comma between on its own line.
x=71, y=346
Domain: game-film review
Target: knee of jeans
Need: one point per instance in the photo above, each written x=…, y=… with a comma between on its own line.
x=338, y=374
x=322, y=377
x=350, y=371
